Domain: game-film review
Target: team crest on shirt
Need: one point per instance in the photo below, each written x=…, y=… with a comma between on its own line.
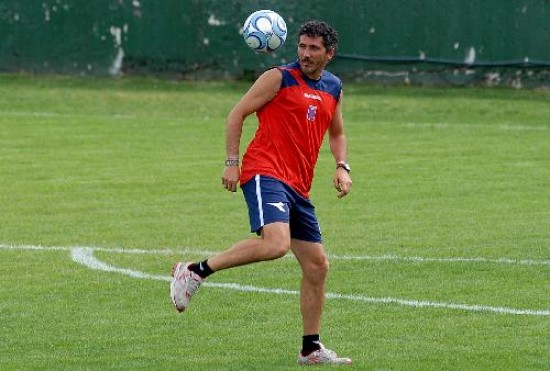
x=311, y=112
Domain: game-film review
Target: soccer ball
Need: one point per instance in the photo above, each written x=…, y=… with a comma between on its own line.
x=264, y=31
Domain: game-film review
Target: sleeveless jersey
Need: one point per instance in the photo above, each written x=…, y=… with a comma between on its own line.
x=291, y=129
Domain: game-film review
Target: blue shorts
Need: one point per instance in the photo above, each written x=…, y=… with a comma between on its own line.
x=269, y=200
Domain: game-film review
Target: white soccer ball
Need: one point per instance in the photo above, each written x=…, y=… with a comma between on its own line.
x=264, y=31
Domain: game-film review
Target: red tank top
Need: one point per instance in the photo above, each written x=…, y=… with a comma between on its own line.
x=291, y=129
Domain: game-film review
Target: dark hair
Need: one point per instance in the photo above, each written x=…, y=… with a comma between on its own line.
x=320, y=28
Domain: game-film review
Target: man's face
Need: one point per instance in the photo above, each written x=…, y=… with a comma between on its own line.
x=313, y=56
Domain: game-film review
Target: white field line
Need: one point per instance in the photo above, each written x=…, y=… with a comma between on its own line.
x=166, y=251
x=85, y=256
x=444, y=260
x=200, y=252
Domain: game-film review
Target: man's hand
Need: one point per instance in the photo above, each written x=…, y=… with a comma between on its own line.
x=230, y=178
x=342, y=182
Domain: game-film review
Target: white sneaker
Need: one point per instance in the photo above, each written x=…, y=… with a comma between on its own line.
x=183, y=286
x=322, y=356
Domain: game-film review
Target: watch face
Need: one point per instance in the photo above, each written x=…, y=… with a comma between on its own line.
x=345, y=166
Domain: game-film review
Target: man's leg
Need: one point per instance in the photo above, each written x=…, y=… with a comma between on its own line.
x=274, y=243
x=188, y=277
x=314, y=264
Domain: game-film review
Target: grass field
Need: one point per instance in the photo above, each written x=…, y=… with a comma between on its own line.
x=440, y=256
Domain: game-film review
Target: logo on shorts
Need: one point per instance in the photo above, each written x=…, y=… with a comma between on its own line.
x=278, y=205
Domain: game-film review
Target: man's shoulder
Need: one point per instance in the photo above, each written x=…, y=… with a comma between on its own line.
x=331, y=84
x=289, y=67
x=292, y=65
x=330, y=77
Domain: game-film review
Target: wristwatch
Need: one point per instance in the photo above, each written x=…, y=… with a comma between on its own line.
x=232, y=162
x=344, y=165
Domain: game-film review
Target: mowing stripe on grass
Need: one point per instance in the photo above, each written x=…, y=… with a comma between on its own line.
x=421, y=125
x=63, y=114
x=442, y=126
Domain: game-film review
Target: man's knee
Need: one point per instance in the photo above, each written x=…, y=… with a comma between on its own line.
x=317, y=268
x=322, y=265
x=278, y=249
x=276, y=240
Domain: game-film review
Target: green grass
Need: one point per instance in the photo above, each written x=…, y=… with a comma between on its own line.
x=135, y=164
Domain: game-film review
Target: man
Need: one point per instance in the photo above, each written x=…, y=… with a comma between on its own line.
x=296, y=104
